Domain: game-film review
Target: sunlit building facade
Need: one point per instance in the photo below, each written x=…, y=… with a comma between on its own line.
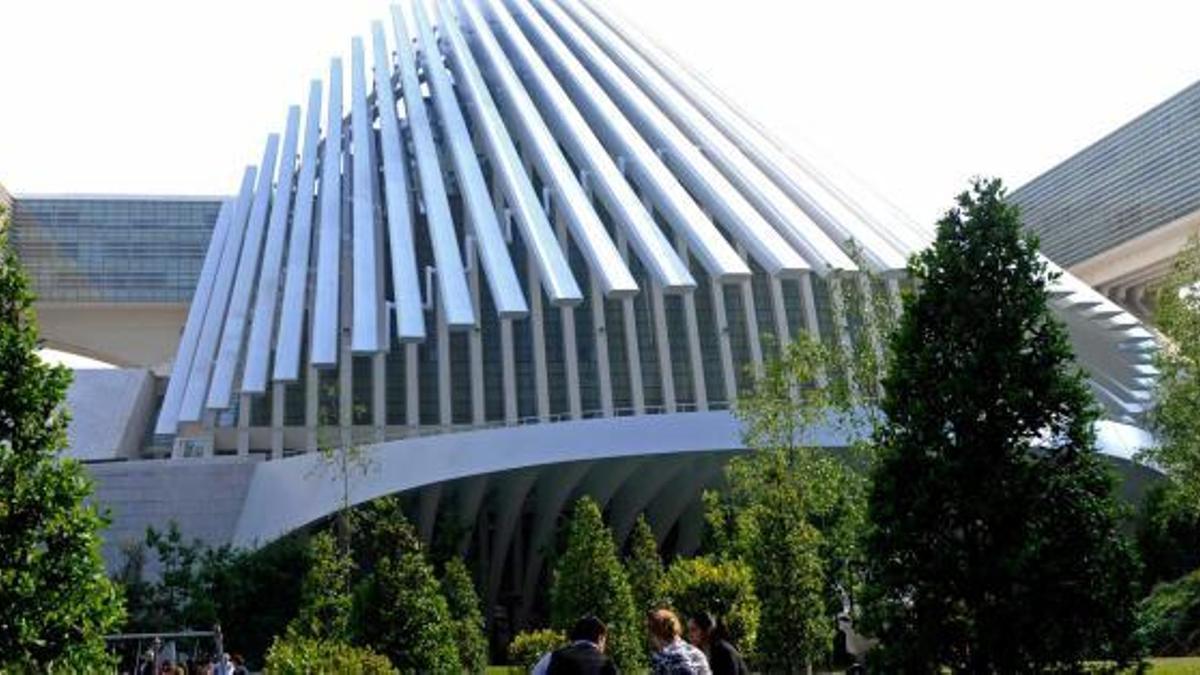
x=518, y=253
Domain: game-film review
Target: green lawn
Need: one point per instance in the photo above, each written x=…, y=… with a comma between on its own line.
x=1179, y=666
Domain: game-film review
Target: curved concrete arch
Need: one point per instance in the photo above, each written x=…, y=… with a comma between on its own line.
x=288, y=494
x=665, y=510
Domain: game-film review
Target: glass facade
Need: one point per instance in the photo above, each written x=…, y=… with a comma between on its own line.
x=1139, y=177
x=113, y=248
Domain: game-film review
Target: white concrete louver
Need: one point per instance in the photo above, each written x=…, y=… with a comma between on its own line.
x=623, y=172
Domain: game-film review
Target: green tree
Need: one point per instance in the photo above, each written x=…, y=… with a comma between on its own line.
x=589, y=579
x=644, y=567
x=723, y=588
x=464, y=605
x=399, y=609
x=795, y=513
x=995, y=544
x=252, y=594
x=56, y=603
x=325, y=595
x=1175, y=417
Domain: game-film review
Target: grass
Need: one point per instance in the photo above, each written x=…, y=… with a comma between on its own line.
x=1181, y=666
x=1188, y=665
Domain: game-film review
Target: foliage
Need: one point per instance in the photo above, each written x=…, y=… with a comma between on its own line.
x=1166, y=536
x=995, y=544
x=56, y=603
x=1176, y=415
x=723, y=588
x=464, y=605
x=527, y=647
x=794, y=512
x=341, y=462
x=1169, y=618
x=644, y=567
x=589, y=579
x=399, y=609
x=296, y=655
x=252, y=595
x=325, y=597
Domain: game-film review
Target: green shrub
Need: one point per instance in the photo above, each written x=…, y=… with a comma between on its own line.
x=528, y=646
x=463, y=603
x=723, y=589
x=1169, y=618
x=293, y=655
x=589, y=579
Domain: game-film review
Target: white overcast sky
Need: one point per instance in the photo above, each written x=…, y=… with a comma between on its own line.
x=172, y=97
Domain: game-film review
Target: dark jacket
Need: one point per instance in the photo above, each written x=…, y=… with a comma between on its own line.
x=723, y=659
x=581, y=658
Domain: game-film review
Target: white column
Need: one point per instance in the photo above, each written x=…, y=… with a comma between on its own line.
x=379, y=392
x=695, y=355
x=600, y=331
x=662, y=342
x=752, y=336
x=412, y=391
x=637, y=394
x=277, y=409
x=476, y=339
x=243, y=424
x=722, y=321
x=570, y=344
x=540, y=378
x=508, y=371
x=783, y=334
x=445, y=412
x=311, y=421
x=809, y=300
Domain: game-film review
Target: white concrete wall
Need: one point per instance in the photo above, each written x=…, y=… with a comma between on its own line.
x=109, y=413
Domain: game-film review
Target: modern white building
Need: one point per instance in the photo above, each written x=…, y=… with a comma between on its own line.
x=518, y=253
x=1117, y=212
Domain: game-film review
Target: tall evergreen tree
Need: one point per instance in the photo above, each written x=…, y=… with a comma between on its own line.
x=589, y=579
x=644, y=567
x=56, y=603
x=399, y=608
x=464, y=605
x=995, y=544
x=325, y=597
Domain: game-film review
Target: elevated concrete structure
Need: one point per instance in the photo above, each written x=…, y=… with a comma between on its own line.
x=538, y=258
x=1118, y=212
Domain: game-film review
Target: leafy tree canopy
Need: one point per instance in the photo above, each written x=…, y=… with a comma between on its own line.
x=995, y=544
x=56, y=603
x=1176, y=414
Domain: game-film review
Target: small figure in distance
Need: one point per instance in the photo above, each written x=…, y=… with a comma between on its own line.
x=673, y=656
x=583, y=656
x=706, y=633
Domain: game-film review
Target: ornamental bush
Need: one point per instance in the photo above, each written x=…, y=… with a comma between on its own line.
x=724, y=589
x=589, y=579
x=529, y=646
x=295, y=655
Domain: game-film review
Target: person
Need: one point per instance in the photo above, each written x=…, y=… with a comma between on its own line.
x=583, y=656
x=239, y=665
x=708, y=635
x=672, y=656
x=223, y=665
